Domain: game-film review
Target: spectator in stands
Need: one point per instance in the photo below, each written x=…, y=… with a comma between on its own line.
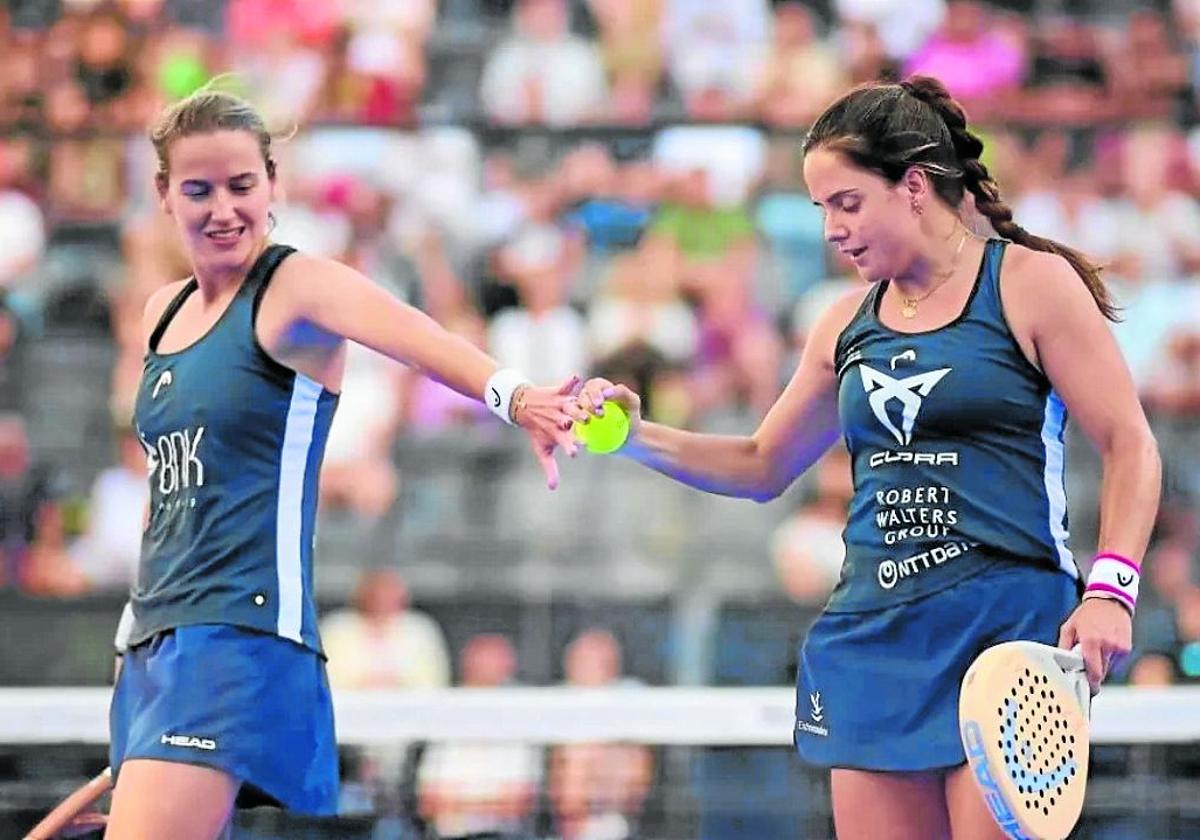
x=107, y=552
x=597, y=790
x=369, y=246
x=251, y=24
x=1173, y=389
x=413, y=18
x=105, y=67
x=543, y=336
x=864, y=54
x=287, y=75
x=588, y=182
x=1149, y=70
x=1153, y=670
x=1169, y=576
x=542, y=73
x=384, y=73
x=801, y=74
x=20, y=91
x=715, y=252
x=978, y=64
x=1159, y=223
x=899, y=26
x=794, y=251
x=702, y=232
x=1155, y=244
x=640, y=184
x=381, y=642
x=1068, y=82
x=611, y=205
x=500, y=210
x=86, y=173
x=632, y=55
x=433, y=180
x=1173, y=572
x=713, y=51
x=640, y=305
x=32, y=532
x=487, y=788
x=1057, y=193
x=359, y=474
x=59, y=49
x=428, y=407
x=316, y=214
x=22, y=223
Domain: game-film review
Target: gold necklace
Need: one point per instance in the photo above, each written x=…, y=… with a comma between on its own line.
x=909, y=308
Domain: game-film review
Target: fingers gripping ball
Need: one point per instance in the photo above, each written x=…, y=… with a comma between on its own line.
x=606, y=433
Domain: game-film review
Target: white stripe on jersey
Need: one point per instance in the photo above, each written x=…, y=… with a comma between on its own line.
x=289, y=520
x=1053, y=477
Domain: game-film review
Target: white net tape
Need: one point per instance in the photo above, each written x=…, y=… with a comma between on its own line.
x=682, y=716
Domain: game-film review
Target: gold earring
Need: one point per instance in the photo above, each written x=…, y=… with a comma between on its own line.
x=915, y=205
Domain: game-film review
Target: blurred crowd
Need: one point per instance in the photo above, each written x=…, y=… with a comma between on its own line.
x=75, y=66
x=596, y=186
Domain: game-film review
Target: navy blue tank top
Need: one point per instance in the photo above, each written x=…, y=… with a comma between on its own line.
x=235, y=442
x=956, y=443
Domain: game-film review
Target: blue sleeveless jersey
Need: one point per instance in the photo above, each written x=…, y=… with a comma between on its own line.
x=234, y=442
x=956, y=443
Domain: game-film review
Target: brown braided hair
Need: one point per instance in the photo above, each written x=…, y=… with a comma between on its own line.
x=889, y=128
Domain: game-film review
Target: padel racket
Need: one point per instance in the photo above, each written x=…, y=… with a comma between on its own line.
x=1023, y=717
x=58, y=823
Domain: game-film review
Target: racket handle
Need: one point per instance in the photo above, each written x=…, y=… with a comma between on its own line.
x=1071, y=661
x=71, y=807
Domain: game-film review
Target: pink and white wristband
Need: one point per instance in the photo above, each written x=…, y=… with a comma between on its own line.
x=1114, y=577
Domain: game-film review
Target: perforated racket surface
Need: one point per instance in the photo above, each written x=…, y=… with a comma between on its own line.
x=1023, y=718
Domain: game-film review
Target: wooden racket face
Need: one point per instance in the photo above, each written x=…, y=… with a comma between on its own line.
x=1026, y=739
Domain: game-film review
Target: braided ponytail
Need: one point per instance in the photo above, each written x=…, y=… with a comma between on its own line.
x=978, y=181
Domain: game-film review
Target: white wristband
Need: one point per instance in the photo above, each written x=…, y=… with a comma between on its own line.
x=498, y=392
x=1115, y=577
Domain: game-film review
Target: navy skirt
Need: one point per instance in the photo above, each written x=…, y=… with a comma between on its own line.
x=879, y=690
x=253, y=705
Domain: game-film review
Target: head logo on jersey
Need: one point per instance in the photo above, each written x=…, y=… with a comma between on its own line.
x=909, y=391
x=164, y=379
